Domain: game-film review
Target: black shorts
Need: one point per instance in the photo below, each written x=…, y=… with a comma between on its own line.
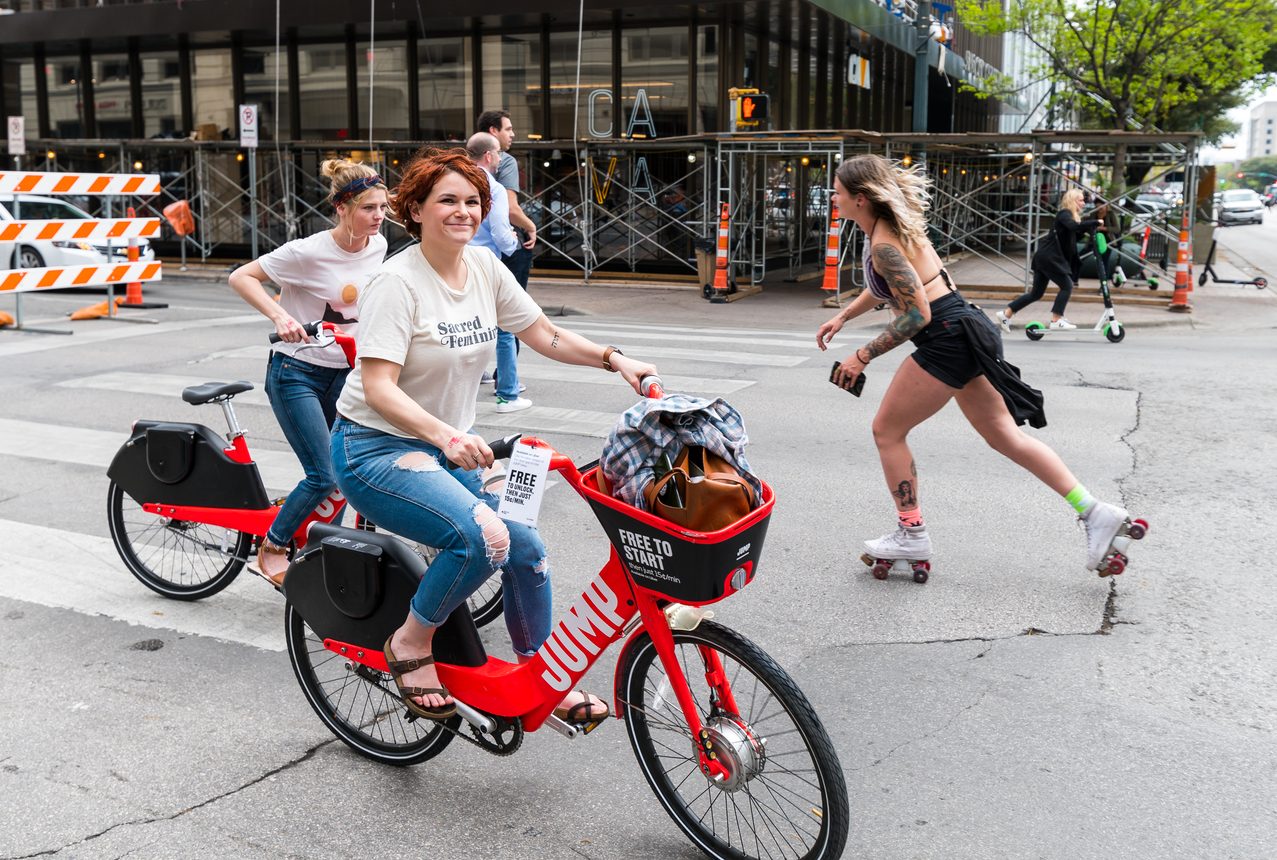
x=943, y=349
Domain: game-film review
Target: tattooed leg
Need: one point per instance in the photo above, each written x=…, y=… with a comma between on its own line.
x=913, y=396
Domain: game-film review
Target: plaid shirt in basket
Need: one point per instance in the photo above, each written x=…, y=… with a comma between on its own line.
x=652, y=426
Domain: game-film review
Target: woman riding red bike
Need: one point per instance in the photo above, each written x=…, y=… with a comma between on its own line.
x=403, y=445
x=319, y=278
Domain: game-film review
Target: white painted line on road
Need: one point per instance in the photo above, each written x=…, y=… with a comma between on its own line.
x=84, y=337
x=280, y=470
x=747, y=359
x=692, y=337
x=160, y=384
x=83, y=573
x=536, y=367
x=800, y=336
x=547, y=419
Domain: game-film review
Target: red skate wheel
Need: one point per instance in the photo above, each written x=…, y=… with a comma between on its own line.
x=1115, y=566
x=1138, y=529
x=920, y=574
x=881, y=570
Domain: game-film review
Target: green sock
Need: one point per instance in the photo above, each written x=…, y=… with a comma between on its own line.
x=1080, y=499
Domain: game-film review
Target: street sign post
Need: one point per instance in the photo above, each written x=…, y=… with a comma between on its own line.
x=17, y=135
x=248, y=140
x=248, y=126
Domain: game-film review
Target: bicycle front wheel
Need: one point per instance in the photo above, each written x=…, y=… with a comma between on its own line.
x=784, y=796
x=179, y=559
x=361, y=706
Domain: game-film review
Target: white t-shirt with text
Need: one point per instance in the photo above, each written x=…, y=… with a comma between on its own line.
x=442, y=338
x=320, y=281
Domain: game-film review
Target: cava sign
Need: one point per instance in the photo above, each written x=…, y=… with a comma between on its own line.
x=640, y=115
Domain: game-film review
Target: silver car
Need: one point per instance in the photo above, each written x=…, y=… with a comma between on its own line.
x=1241, y=206
x=38, y=254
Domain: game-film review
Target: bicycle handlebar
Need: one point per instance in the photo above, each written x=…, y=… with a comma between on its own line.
x=311, y=329
x=651, y=386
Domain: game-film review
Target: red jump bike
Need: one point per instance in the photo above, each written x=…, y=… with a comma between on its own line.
x=187, y=509
x=725, y=738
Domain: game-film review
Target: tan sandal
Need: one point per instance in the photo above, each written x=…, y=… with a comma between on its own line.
x=399, y=668
x=573, y=713
x=266, y=549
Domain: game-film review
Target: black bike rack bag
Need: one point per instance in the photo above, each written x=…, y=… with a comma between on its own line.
x=355, y=586
x=189, y=466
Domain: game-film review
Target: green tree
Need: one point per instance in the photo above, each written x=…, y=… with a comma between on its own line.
x=1177, y=65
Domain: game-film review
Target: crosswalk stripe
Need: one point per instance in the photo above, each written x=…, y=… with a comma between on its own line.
x=280, y=470
x=697, y=337
x=547, y=419
x=552, y=371
x=85, y=338
x=163, y=384
x=68, y=570
x=798, y=336
x=750, y=359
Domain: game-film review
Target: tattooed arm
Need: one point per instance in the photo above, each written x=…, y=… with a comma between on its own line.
x=894, y=268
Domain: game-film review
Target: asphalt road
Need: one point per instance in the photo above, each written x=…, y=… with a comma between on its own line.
x=1014, y=706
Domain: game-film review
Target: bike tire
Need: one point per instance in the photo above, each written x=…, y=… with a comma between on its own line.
x=778, y=803
x=361, y=706
x=179, y=559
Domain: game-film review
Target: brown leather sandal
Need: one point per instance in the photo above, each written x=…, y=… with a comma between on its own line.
x=582, y=713
x=398, y=668
x=266, y=548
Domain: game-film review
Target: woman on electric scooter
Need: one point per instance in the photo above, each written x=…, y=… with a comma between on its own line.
x=1057, y=260
x=403, y=445
x=957, y=352
x=319, y=277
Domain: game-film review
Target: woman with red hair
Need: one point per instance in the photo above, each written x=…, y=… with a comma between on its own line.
x=404, y=447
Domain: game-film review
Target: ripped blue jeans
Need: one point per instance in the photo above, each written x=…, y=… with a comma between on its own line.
x=408, y=487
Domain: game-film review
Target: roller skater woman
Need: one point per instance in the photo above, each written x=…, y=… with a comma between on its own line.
x=958, y=356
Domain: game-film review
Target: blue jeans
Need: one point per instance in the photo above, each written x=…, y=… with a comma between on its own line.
x=303, y=397
x=409, y=488
x=520, y=265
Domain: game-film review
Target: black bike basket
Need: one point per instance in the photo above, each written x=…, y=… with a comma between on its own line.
x=676, y=563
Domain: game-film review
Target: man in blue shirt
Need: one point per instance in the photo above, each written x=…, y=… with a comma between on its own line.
x=496, y=234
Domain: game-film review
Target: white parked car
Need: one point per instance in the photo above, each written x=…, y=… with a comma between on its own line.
x=1241, y=206
x=35, y=255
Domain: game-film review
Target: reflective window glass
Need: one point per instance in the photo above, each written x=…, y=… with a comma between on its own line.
x=512, y=80
x=444, y=81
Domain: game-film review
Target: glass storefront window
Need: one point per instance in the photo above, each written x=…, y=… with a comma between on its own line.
x=260, y=69
x=707, y=78
x=444, y=81
x=321, y=71
x=162, y=95
x=66, y=111
x=26, y=97
x=654, y=82
x=389, y=89
x=596, y=75
x=512, y=80
x=112, y=101
x=213, y=96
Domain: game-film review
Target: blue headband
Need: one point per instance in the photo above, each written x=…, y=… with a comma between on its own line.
x=357, y=186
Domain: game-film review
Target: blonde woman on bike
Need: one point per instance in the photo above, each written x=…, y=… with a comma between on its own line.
x=319, y=277
x=903, y=270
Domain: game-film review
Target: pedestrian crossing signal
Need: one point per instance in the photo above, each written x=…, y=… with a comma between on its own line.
x=751, y=109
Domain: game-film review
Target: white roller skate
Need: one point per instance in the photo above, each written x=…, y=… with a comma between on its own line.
x=1109, y=532
x=910, y=545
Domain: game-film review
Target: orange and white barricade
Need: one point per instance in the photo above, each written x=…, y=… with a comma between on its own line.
x=110, y=230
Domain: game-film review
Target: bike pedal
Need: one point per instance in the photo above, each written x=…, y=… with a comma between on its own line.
x=586, y=728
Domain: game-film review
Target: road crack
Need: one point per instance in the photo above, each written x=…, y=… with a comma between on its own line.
x=302, y=759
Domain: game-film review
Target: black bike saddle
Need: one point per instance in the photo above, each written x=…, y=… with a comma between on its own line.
x=211, y=391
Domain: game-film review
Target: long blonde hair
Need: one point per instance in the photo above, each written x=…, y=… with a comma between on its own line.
x=897, y=194
x=1073, y=200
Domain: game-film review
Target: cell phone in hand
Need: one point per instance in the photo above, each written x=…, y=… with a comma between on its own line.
x=856, y=387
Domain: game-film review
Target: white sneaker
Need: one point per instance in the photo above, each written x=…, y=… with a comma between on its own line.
x=1102, y=523
x=911, y=543
x=1062, y=325
x=488, y=378
x=1119, y=278
x=1003, y=322
x=518, y=404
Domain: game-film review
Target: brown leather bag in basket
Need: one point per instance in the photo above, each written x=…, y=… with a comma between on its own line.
x=702, y=492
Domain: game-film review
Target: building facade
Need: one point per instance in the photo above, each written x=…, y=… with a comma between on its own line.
x=97, y=69
x=1261, y=130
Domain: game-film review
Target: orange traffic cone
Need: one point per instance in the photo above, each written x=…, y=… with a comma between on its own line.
x=721, y=288
x=133, y=296
x=5, y=319
x=93, y=312
x=831, y=250
x=1183, y=280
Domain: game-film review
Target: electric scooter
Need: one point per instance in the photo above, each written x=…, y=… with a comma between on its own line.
x=1107, y=324
x=1209, y=269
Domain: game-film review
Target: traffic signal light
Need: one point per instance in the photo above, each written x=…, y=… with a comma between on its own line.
x=1241, y=176
x=752, y=109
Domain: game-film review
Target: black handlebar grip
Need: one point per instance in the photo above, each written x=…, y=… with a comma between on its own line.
x=504, y=447
x=311, y=329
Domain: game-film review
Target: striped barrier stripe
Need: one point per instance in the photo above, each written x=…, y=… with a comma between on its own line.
x=27, y=182
x=29, y=280
x=105, y=228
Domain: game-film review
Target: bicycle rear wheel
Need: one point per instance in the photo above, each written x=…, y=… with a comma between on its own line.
x=361, y=706
x=785, y=795
x=179, y=559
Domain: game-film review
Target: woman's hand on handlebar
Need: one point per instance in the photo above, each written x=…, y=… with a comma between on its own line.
x=467, y=451
x=633, y=370
x=289, y=329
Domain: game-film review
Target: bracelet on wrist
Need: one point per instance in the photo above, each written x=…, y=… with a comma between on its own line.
x=863, y=361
